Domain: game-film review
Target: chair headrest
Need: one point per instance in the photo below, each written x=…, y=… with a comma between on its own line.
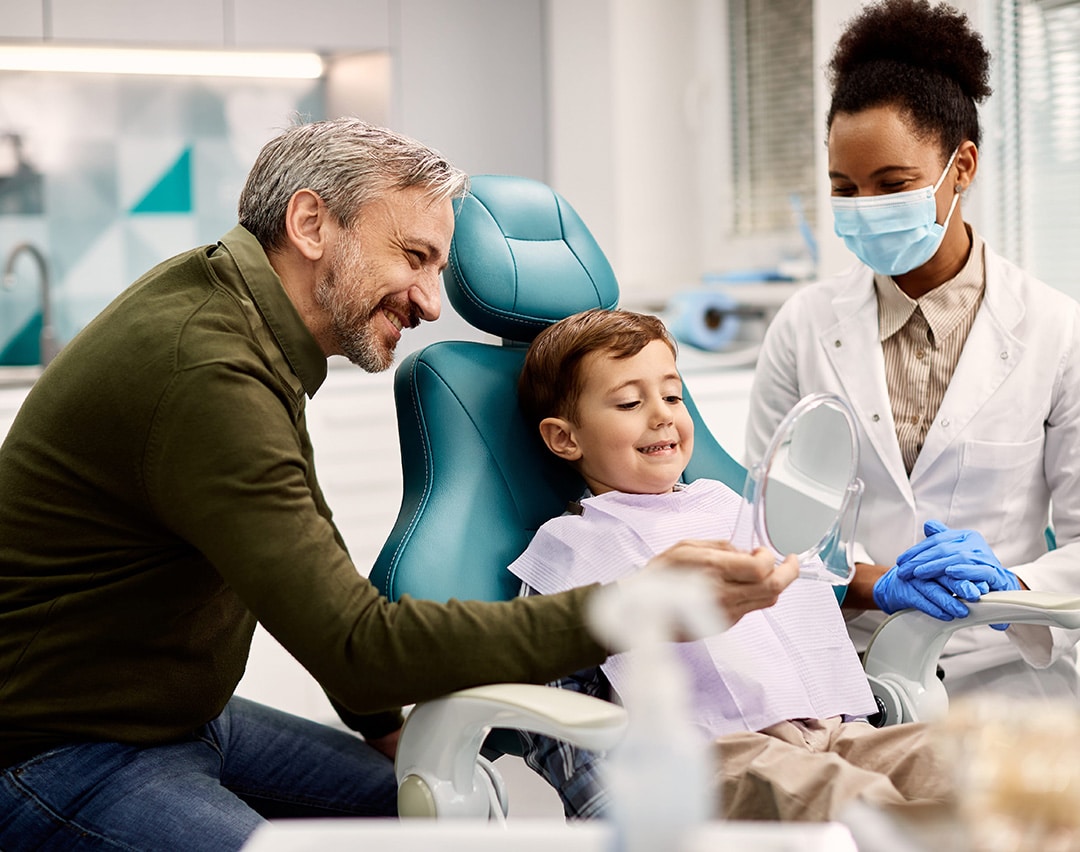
x=521, y=259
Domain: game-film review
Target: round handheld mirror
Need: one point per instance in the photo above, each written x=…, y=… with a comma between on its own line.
x=803, y=496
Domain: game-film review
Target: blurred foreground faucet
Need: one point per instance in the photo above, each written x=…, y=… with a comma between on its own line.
x=48, y=344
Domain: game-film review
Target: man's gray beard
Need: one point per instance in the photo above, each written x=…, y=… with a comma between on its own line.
x=361, y=345
x=351, y=325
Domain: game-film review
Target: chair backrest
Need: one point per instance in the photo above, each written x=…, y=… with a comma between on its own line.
x=478, y=481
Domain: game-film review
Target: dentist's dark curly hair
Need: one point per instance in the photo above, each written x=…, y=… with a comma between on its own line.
x=926, y=60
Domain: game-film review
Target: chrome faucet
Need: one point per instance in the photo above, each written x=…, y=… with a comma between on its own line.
x=48, y=343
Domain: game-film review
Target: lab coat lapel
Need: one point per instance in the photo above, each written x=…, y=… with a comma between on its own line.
x=990, y=353
x=852, y=347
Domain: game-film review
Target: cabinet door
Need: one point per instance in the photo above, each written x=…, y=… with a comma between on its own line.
x=10, y=401
x=324, y=25
x=193, y=23
x=723, y=398
x=22, y=19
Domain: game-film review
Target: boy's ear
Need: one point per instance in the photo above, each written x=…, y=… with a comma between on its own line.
x=558, y=434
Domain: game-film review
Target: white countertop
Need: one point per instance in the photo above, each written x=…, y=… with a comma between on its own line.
x=19, y=377
x=348, y=835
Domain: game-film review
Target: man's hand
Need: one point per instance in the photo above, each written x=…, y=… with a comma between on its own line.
x=386, y=744
x=742, y=581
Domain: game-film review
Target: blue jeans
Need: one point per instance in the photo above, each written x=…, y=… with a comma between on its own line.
x=209, y=791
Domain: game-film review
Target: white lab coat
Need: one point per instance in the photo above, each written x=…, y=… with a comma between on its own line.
x=1004, y=447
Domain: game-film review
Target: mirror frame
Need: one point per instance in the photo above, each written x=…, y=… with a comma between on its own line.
x=833, y=551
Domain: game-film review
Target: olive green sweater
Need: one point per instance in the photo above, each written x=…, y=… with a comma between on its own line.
x=158, y=496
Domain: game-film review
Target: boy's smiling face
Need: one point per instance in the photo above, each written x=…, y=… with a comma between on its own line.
x=632, y=431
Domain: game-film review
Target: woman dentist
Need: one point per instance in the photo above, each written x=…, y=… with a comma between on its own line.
x=963, y=370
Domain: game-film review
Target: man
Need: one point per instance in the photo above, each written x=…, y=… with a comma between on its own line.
x=158, y=497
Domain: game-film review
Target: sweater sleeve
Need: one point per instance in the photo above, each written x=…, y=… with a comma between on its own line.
x=226, y=471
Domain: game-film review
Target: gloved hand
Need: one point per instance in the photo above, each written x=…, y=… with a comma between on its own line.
x=944, y=547
x=959, y=556
x=939, y=597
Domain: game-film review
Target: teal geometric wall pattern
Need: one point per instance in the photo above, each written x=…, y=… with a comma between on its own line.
x=24, y=349
x=133, y=170
x=172, y=192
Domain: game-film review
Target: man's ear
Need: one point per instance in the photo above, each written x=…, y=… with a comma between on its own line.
x=558, y=434
x=306, y=219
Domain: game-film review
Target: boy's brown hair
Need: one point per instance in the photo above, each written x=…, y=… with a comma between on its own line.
x=550, y=382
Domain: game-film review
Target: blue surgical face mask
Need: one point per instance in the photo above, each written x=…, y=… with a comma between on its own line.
x=895, y=233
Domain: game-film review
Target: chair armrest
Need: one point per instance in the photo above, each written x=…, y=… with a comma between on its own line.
x=904, y=650
x=437, y=769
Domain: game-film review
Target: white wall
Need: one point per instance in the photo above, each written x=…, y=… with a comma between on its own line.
x=622, y=144
x=829, y=19
x=470, y=81
x=581, y=80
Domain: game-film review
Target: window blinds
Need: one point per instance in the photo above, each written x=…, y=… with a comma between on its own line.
x=773, y=132
x=1037, y=85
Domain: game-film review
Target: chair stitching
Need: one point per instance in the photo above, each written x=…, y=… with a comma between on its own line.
x=428, y=479
x=405, y=536
x=510, y=314
x=581, y=263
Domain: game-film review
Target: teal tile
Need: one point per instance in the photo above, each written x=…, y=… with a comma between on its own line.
x=24, y=349
x=172, y=193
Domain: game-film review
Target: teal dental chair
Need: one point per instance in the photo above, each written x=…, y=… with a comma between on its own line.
x=478, y=482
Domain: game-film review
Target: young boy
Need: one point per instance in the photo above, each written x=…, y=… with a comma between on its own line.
x=781, y=694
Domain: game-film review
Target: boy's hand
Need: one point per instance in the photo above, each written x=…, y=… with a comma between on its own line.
x=742, y=581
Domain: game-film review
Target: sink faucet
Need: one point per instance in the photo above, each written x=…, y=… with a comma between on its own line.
x=48, y=344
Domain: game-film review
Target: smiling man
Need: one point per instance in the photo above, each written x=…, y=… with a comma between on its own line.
x=158, y=498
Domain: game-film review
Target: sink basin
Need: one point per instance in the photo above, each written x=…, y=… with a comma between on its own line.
x=15, y=377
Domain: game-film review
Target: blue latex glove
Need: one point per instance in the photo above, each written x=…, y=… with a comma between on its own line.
x=893, y=592
x=943, y=548
x=956, y=557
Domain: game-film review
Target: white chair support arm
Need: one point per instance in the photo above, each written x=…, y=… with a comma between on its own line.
x=438, y=759
x=901, y=659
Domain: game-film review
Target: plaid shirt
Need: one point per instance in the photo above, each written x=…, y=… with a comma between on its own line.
x=576, y=774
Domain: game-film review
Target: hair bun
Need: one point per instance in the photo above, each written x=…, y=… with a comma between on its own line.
x=937, y=39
